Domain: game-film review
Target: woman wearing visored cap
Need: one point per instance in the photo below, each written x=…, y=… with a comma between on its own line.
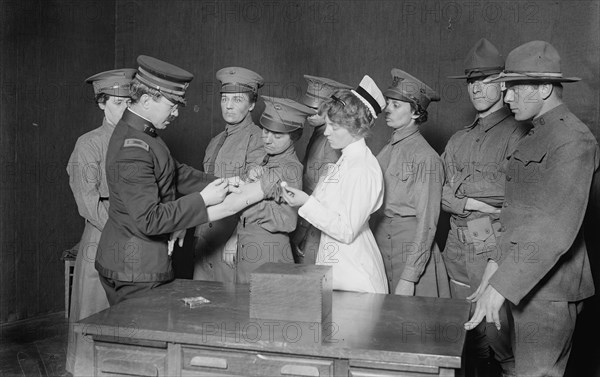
x=87, y=179
x=263, y=228
x=406, y=223
x=349, y=193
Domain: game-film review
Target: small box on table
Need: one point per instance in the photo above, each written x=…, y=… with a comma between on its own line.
x=291, y=292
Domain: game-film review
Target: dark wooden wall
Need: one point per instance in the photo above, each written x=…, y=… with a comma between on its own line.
x=49, y=47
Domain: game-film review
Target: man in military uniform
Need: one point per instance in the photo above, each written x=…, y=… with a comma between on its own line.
x=228, y=155
x=319, y=155
x=543, y=270
x=473, y=195
x=143, y=179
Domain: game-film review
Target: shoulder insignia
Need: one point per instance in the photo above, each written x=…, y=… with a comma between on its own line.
x=136, y=143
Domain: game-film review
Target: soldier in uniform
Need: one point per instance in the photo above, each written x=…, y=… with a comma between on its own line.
x=473, y=195
x=143, y=180
x=542, y=270
x=405, y=225
x=318, y=157
x=228, y=155
x=88, y=183
x=263, y=228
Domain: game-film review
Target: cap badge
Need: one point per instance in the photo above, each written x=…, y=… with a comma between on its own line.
x=277, y=107
x=397, y=80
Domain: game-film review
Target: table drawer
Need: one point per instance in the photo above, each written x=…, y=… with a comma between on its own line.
x=360, y=368
x=122, y=360
x=224, y=362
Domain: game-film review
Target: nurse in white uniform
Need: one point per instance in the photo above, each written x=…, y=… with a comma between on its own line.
x=349, y=193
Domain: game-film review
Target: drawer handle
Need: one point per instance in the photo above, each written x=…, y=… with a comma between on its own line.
x=300, y=370
x=128, y=368
x=209, y=362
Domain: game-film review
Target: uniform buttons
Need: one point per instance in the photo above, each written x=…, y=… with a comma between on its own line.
x=389, y=237
x=487, y=231
x=475, y=234
x=508, y=177
x=210, y=225
x=477, y=140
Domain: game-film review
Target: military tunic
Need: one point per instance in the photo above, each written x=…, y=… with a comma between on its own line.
x=143, y=180
x=263, y=228
x=472, y=160
x=544, y=270
x=228, y=154
x=87, y=179
x=406, y=223
x=319, y=155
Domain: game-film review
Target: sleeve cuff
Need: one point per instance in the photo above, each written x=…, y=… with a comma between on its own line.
x=410, y=274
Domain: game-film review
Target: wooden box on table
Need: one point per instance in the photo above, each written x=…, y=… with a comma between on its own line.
x=291, y=292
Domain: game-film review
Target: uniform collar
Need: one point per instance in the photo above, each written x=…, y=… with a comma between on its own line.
x=107, y=126
x=235, y=128
x=488, y=122
x=354, y=147
x=288, y=151
x=404, y=132
x=136, y=121
x=550, y=116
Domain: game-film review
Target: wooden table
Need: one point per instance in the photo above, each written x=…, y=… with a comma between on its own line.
x=369, y=335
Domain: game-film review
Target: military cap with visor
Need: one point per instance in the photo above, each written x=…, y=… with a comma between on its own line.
x=284, y=115
x=239, y=80
x=320, y=89
x=115, y=82
x=170, y=80
x=408, y=88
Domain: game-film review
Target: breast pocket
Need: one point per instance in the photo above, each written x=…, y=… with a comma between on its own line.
x=399, y=192
x=526, y=165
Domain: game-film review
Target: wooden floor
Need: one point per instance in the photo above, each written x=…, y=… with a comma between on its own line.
x=34, y=347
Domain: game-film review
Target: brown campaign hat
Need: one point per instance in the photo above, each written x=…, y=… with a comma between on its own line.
x=171, y=81
x=114, y=83
x=483, y=60
x=408, y=88
x=239, y=80
x=284, y=115
x=536, y=61
x=319, y=89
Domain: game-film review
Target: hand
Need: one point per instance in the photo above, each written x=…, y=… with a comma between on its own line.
x=255, y=173
x=292, y=196
x=491, y=267
x=178, y=235
x=230, y=251
x=405, y=288
x=215, y=192
x=236, y=182
x=479, y=206
x=488, y=306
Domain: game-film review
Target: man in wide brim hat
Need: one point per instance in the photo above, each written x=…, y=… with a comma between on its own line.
x=474, y=204
x=543, y=270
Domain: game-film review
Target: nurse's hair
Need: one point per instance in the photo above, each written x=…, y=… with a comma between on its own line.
x=346, y=110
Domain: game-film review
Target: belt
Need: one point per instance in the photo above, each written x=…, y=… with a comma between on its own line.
x=464, y=236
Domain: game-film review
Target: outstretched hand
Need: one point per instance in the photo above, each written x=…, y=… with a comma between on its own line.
x=215, y=192
x=293, y=196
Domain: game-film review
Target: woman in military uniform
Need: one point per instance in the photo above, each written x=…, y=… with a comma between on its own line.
x=263, y=228
x=413, y=174
x=87, y=179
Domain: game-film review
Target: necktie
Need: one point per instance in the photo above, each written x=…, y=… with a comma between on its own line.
x=265, y=160
x=213, y=160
